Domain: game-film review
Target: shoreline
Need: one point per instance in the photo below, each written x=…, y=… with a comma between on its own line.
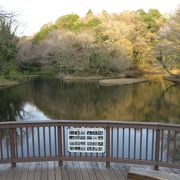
x=7, y=83
x=126, y=78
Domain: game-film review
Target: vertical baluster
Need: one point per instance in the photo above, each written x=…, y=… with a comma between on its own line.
x=134, y=143
x=140, y=152
x=156, y=167
x=1, y=148
x=107, y=147
x=146, y=143
x=112, y=143
x=16, y=141
x=117, y=142
x=60, y=144
x=39, y=150
x=44, y=141
x=174, y=150
x=50, y=141
x=12, y=146
x=152, y=150
x=162, y=146
x=7, y=143
x=168, y=141
x=86, y=154
x=96, y=153
x=22, y=148
x=129, y=142
x=27, y=142
x=33, y=147
x=123, y=144
x=55, y=141
x=64, y=142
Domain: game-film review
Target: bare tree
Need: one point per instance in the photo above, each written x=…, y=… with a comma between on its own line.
x=168, y=49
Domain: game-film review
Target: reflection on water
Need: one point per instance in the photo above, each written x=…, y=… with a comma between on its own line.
x=31, y=113
x=54, y=99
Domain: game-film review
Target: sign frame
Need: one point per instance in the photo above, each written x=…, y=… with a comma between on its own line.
x=86, y=139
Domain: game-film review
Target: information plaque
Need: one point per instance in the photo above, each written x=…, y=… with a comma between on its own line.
x=86, y=140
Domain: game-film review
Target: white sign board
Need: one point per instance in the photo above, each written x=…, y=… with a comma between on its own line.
x=86, y=140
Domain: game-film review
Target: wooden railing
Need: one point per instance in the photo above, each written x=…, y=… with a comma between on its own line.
x=154, y=144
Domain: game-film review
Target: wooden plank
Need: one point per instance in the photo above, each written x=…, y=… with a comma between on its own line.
x=107, y=173
x=51, y=175
x=64, y=171
x=58, y=173
x=112, y=174
x=84, y=171
x=18, y=171
x=37, y=174
x=5, y=170
x=10, y=174
x=90, y=170
x=31, y=171
x=44, y=171
x=118, y=171
x=123, y=169
x=71, y=172
x=97, y=171
x=2, y=167
x=25, y=170
x=77, y=171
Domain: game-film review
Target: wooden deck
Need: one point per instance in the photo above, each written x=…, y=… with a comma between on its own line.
x=78, y=171
x=69, y=171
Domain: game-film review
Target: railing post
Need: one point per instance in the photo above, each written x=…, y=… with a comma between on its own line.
x=108, y=147
x=12, y=146
x=156, y=167
x=60, y=145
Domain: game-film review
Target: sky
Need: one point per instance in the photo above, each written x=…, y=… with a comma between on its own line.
x=32, y=14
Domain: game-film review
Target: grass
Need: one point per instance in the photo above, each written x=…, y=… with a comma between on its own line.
x=6, y=82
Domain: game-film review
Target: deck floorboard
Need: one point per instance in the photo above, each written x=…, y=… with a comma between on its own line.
x=69, y=171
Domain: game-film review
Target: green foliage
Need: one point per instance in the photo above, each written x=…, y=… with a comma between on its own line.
x=152, y=18
x=46, y=71
x=45, y=29
x=30, y=67
x=99, y=61
x=94, y=22
x=100, y=44
x=89, y=13
x=68, y=21
x=10, y=72
x=8, y=42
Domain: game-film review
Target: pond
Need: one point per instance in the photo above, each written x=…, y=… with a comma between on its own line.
x=44, y=99
x=47, y=99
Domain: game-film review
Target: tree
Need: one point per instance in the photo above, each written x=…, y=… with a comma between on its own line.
x=8, y=40
x=89, y=13
x=67, y=21
x=168, y=49
x=45, y=29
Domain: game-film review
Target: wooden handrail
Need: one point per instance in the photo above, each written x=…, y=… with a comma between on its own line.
x=103, y=123
x=130, y=142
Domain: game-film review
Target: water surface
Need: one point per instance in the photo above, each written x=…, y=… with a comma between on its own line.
x=43, y=99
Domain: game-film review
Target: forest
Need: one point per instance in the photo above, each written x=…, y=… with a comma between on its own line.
x=101, y=44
